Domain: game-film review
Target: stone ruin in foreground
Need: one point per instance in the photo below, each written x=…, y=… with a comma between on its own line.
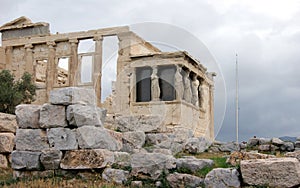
x=149, y=82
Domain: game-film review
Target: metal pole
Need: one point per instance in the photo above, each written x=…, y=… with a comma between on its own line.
x=237, y=99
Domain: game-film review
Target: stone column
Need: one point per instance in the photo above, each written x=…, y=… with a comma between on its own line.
x=73, y=72
x=29, y=59
x=178, y=83
x=201, y=95
x=51, y=68
x=187, y=95
x=155, y=90
x=97, y=69
x=195, y=85
x=211, y=112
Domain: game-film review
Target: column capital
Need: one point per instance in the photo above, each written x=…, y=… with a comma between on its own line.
x=28, y=46
x=51, y=44
x=98, y=38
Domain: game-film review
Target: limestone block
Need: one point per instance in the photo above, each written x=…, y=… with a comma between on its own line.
x=274, y=172
x=52, y=116
x=90, y=137
x=236, y=157
x=156, y=138
x=116, y=176
x=297, y=144
x=287, y=146
x=85, y=115
x=277, y=142
x=3, y=161
x=262, y=141
x=151, y=165
x=144, y=123
x=32, y=174
x=28, y=116
x=193, y=164
x=87, y=159
x=133, y=140
x=51, y=159
x=31, y=140
x=178, y=180
x=8, y=123
x=252, y=142
x=222, y=177
x=26, y=160
x=196, y=145
x=7, y=142
x=229, y=147
x=72, y=95
x=136, y=184
x=62, y=138
x=122, y=159
x=295, y=154
x=264, y=147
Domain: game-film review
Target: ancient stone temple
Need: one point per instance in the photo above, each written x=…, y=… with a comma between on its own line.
x=150, y=83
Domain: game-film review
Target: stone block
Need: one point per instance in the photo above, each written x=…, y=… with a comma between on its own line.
x=196, y=145
x=236, y=157
x=178, y=180
x=144, y=123
x=151, y=165
x=274, y=172
x=31, y=140
x=223, y=177
x=52, y=116
x=17, y=174
x=116, y=176
x=90, y=137
x=85, y=115
x=51, y=159
x=87, y=159
x=8, y=123
x=7, y=142
x=122, y=159
x=193, y=164
x=72, y=95
x=3, y=161
x=26, y=160
x=133, y=140
x=28, y=116
x=62, y=138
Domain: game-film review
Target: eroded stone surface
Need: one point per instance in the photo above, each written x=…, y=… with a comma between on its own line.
x=133, y=140
x=72, y=95
x=122, y=159
x=28, y=116
x=90, y=137
x=31, y=140
x=236, y=157
x=222, y=178
x=62, y=138
x=193, y=164
x=87, y=159
x=25, y=160
x=3, y=161
x=196, y=145
x=151, y=165
x=7, y=142
x=144, y=123
x=51, y=159
x=8, y=123
x=85, y=115
x=117, y=176
x=52, y=116
x=178, y=180
x=274, y=172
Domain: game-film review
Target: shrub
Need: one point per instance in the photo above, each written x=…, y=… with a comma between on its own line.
x=13, y=93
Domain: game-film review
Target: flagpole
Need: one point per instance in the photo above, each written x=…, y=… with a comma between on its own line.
x=237, y=99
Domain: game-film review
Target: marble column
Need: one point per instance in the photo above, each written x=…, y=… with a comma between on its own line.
x=73, y=72
x=155, y=90
x=51, y=69
x=195, y=96
x=97, y=68
x=187, y=95
x=178, y=83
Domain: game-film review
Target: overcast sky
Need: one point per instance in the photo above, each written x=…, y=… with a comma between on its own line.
x=264, y=33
